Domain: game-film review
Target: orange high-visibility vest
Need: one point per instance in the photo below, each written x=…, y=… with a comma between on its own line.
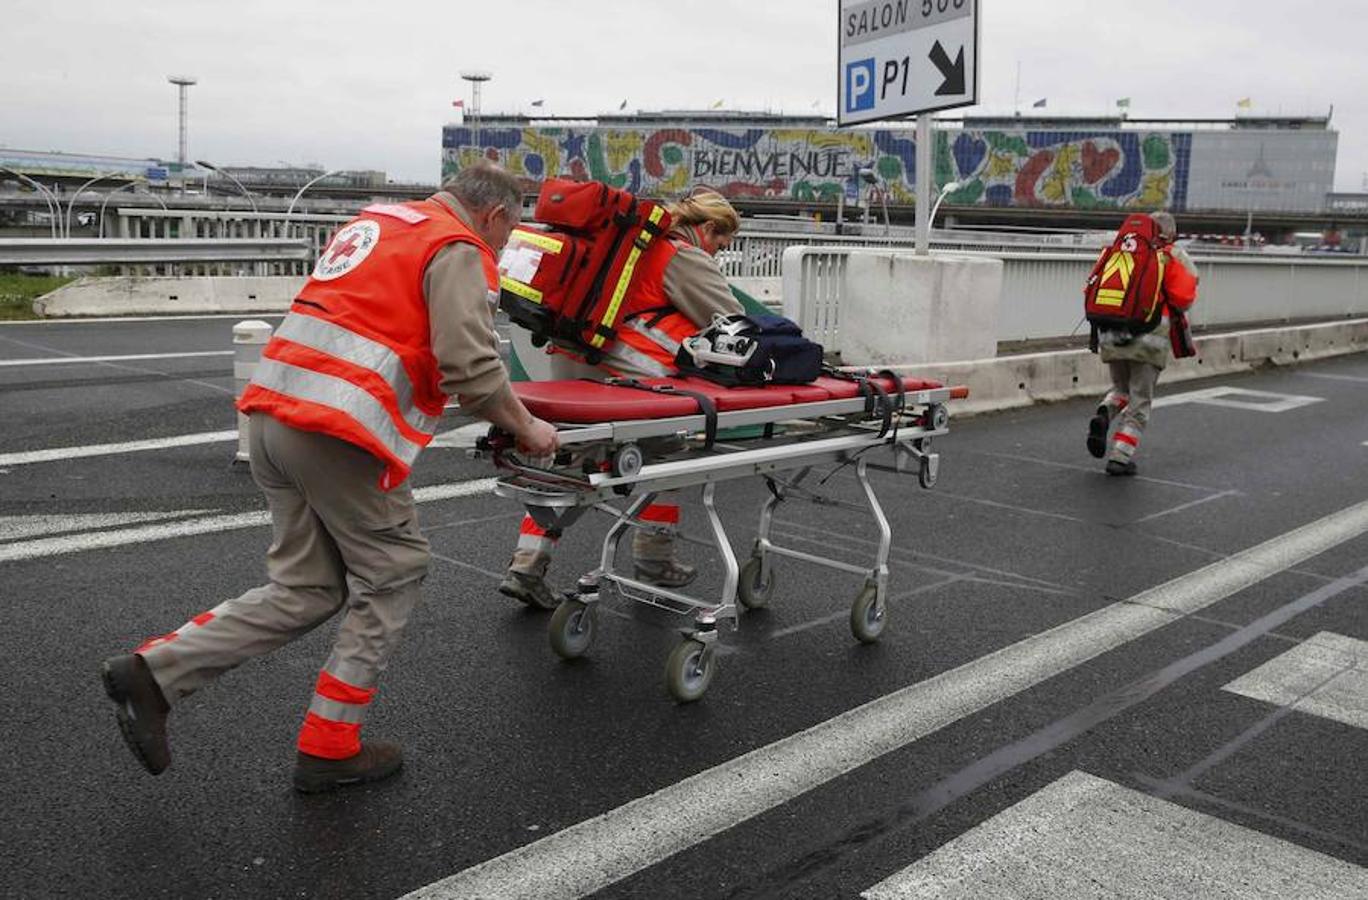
x=353, y=359
x=651, y=325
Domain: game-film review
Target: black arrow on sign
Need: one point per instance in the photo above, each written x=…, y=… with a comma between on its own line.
x=952, y=71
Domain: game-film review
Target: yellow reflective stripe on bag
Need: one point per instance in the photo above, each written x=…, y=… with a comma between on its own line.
x=526, y=291
x=620, y=291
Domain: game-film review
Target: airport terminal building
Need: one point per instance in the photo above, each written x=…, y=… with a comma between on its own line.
x=1257, y=164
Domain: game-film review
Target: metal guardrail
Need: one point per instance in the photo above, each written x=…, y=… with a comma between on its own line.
x=149, y=251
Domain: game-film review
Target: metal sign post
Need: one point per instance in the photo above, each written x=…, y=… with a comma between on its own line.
x=902, y=58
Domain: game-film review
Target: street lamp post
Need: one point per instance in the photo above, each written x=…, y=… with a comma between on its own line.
x=300, y=193
x=72, y=203
x=246, y=193
x=122, y=187
x=870, y=177
x=476, y=78
x=947, y=189
x=54, y=215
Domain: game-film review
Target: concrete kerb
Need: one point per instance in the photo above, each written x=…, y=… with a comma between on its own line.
x=140, y=296
x=1008, y=382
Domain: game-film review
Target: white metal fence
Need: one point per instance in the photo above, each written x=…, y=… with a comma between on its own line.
x=1042, y=292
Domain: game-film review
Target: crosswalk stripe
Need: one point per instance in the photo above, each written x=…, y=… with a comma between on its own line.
x=1084, y=836
x=598, y=852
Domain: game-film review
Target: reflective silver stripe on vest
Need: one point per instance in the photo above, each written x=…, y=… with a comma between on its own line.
x=655, y=335
x=341, y=395
x=335, y=340
x=337, y=711
x=628, y=360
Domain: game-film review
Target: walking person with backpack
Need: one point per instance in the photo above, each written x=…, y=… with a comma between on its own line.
x=1136, y=301
x=675, y=290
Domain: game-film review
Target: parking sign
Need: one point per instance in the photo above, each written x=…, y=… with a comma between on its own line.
x=905, y=57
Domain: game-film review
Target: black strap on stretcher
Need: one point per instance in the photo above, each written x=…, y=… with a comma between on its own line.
x=877, y=400
x=706, y=406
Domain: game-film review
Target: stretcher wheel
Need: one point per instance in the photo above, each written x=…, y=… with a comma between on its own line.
x=925, y=477
x=689, y=670
x=866, y=618
x=538, y=340
x=572, y=629
x=938, y=416
x=627, y=461
x=751, y=592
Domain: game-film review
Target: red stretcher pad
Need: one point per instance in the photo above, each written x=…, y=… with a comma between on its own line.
x=581, y=402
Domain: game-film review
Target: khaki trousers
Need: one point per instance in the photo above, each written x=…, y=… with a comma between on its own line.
x=339, y=544
x=1129, y=402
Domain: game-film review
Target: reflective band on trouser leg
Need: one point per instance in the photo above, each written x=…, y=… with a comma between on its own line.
x=1125, y=443
x=661, y=514
x=532, y=536
x=1115, y=402
x=332, y=726
x=203, y=618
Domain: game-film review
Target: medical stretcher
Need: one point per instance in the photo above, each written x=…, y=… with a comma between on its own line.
x=635, y=439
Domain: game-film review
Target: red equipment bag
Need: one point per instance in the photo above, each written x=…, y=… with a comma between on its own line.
x=1124, y=291
x=566, y=277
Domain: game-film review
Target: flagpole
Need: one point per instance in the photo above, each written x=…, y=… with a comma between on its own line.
x=1018, y=89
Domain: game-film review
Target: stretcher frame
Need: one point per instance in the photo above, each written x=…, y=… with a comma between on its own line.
x=838, y=432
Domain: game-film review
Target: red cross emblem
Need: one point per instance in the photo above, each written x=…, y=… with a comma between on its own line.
x=344, y=249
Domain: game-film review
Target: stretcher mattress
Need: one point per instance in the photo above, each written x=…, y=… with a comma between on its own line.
x=582, y=402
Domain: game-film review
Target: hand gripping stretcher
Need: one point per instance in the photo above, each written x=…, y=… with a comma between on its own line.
x=634, y=439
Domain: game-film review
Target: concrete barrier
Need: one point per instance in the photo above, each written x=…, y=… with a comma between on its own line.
x=904, y=309
x=1005, y=382
x=139, y=296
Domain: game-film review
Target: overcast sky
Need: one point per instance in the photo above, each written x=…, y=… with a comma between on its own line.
x=368, y=85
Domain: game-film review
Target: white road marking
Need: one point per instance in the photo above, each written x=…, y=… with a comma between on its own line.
x=60, y=453
x=1329, y=377
x=1087, y=837
x=1326, y=676
x=108, y=359
x=171, y=530
x=1257, y=401
x=12, y=528
x=598, y=852
x=1198, y=502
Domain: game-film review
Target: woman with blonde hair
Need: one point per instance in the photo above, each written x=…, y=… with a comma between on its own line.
x=676, y=292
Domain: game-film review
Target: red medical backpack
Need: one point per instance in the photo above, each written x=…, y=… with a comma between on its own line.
x=1124, y=291
x=566, y=277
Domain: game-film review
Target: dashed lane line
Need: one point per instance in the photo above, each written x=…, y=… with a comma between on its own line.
x=99, y=540
x=601, y=851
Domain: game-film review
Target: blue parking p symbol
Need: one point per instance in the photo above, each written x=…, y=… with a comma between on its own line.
x=859, y=89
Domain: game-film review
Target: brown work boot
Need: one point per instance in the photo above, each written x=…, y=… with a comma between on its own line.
x=525, y=580
x=376, y=760
x=666, y=573
x=141, y=709
x=1120, y=467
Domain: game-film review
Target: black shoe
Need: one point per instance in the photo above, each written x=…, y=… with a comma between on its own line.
x=141, y=709
x=376, y=761
x=1116, y=467
x=1097, y=432
x=529, y=589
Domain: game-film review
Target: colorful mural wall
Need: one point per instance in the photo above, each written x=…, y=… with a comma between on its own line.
x=1092, y=170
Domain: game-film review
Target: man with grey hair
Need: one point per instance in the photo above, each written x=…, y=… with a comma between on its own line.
x=1135, y=361
x=396, y=317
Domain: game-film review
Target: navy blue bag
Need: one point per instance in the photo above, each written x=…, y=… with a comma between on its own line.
x=751, y=350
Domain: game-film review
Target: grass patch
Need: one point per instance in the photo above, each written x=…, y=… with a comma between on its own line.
x=17, y=293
